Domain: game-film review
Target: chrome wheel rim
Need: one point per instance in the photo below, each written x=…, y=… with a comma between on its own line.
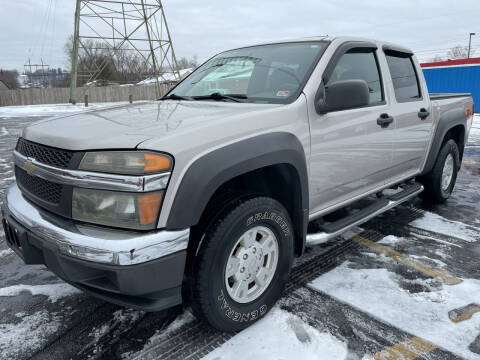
x=252, y=264
x=447, y=173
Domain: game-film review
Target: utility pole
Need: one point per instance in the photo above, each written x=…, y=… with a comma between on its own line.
x=73, y=73
x=107, y=31
x=470, y=44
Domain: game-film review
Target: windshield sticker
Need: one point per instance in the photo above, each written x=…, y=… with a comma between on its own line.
x=283, y=93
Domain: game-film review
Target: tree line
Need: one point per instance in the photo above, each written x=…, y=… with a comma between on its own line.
x=123, y=66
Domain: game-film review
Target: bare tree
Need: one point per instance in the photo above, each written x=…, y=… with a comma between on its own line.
x=459, y=52
x=109, y=65
x=185, y=63
x=114, y=65
x=9, y=77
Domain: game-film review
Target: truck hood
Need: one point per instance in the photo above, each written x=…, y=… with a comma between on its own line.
x=126, y=127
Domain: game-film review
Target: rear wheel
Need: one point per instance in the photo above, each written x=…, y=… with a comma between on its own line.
x=243, y=264
x=439, y=183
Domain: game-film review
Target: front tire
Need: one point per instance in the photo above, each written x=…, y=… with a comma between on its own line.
x=439, y=183
x=243, y=264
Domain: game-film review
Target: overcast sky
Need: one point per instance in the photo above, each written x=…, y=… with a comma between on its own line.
x=39, y=28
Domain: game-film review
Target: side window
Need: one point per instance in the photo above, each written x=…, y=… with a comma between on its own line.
x=404, y=76
x=360, y=64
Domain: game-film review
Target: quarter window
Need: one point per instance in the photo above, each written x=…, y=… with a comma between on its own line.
x=404, y=76
x=360, y=64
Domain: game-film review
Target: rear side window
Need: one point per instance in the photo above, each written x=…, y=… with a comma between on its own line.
x=404, y=76
x=360, y=64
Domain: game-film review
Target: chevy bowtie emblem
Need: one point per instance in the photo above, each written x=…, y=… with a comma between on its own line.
x=29, y=167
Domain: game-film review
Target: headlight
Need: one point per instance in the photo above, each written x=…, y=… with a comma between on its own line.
x=126, y=162
x=119, y=209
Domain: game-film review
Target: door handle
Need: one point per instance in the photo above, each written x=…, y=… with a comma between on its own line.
x=423, y=113
x=384, y=120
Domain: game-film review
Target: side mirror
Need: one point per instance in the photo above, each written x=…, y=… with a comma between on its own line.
x=343, y=95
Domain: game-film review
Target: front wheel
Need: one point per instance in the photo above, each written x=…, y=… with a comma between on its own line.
x=439, y=183
x=243, y=264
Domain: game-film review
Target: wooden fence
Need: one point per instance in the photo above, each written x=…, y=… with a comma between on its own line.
x=36, y=96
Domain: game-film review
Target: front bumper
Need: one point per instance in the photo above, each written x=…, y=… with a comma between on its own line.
x=141, y=270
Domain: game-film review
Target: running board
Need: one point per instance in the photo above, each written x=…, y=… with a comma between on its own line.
x=378, y=207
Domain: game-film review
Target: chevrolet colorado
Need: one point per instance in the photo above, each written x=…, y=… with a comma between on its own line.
x=206, y=194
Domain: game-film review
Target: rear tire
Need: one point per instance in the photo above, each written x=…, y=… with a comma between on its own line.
x=243, y=264
x=439, y=183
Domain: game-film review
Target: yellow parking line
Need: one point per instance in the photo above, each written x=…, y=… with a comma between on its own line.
x=465, y=313
x=410, y=349
x=401, y=258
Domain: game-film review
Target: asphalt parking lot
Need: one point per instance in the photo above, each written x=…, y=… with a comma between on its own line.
x=404, y=286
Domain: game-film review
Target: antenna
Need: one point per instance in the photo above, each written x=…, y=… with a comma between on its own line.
x=131, y=36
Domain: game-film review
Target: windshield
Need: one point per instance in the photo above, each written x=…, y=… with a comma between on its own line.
x=268, y=73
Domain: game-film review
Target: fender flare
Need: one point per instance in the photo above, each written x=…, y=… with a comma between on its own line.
x=208, y=173
x=447, y=121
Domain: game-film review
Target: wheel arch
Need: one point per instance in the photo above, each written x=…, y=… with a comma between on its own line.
x=451, y=125
x=270, y=164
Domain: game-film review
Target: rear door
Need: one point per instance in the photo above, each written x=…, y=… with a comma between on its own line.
x=350, y=153
x=410, y=106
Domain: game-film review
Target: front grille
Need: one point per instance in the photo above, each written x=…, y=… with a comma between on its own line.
x=45, y=154
x=43, y=189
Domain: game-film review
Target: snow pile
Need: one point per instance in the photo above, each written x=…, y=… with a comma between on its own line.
x=280, y=335
x=49, y=110
x=436, y=223
x=54, y=292
x=29, y=334
x=423, y=314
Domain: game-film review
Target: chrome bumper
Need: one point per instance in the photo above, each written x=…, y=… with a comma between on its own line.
x=93, y=243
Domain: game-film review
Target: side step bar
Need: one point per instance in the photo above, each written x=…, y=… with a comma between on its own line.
x=378, y=207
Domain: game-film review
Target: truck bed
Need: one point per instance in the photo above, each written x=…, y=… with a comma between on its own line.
x=441, y=96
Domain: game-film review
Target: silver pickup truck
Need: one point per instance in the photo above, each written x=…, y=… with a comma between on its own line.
x=205, y=196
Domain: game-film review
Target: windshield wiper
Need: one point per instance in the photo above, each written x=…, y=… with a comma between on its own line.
x=176, y=97
x=218, y=96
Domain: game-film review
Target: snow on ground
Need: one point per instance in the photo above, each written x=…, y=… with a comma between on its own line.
x=54, y=292
x=5, y=252
x=423, y=314
x=49, y=110
x=120, y=320
x=159, y=337
x=28, y=334
x=436, y=223
x=474, y=137
x=280, y=335
x=389, y=240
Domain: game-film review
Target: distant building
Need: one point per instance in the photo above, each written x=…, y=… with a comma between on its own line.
x=4, y=85
x=454, y=76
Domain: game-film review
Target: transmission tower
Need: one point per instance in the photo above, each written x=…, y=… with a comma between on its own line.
x=130, y=34
x=39, y=76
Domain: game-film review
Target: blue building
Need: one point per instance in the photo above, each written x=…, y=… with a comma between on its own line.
x=454, y=76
